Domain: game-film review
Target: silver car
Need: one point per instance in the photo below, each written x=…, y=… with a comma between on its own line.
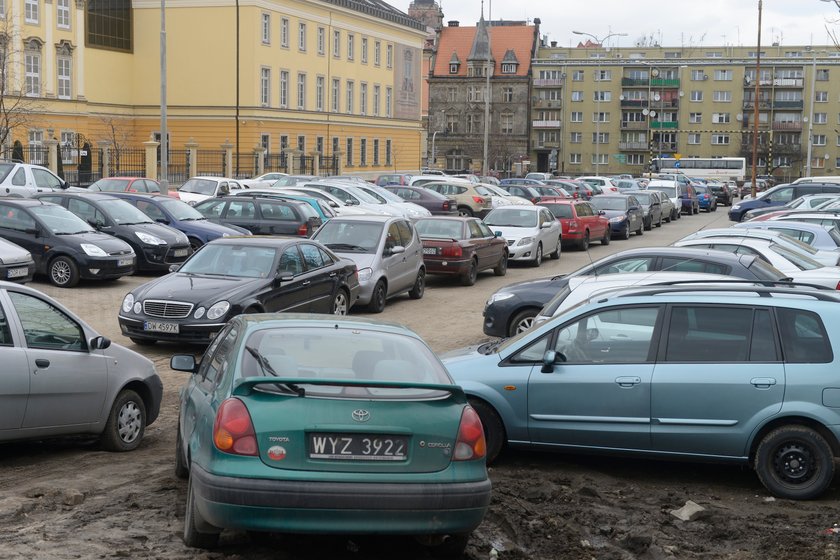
x=60, y=377
x=16, y=263
x=531, y=232
x=387, y=251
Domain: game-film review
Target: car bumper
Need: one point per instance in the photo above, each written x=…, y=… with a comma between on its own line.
x=160, y=257
x=339, y=507
x=196, y=333
x=495, y=320
x=619, y=227
x=522, y=252
x=437, y=265
x=155, y=386
x=736, y=215
x=18, y=272
x=98, y=269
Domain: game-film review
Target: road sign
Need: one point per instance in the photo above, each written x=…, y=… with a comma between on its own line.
x=677, y=156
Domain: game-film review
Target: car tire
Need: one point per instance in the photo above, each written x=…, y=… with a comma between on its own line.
x=377, y=299
x=659, y=224
x=696, y=209
x=537, y=260
x=126, y=423
x=522, y=321
x=341, y=303
x=197, y=532
x=143, y=341
x=555, y=254
x=419, y=287
x=501, y=268
x=195, y=244
x=182, y=471
x=584, y=243
x=471, y=275
x=647, y=226
x=641, y=230
x=465, y=212
x=626, y=233
x=63, y=272
x=714, y=208
x=451, y=548
x=494, y=429
x=607, y=237
x=794, y=462
x=669, y=217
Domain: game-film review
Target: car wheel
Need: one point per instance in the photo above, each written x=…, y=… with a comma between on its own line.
x=195, y=244
x=522, y=321
x=63, y=272
x=341, y=303
x=641, y=230
x=659, y=223
x=538, y=257
x=182, y=471
x=714, y=208
x=126, y=423
x=197, y=532
x=143, y=341
x=501, y=268
x=648, y=225
x=419, y=287
x=494, y=429
x=669, y=217
x=584, y=243
x=465, y=211
x=377, y=300
x=697, y=209
x=451, y=547
x=607, y=238
x=626, y=233
x=555, y=254
x=794, y=462
x=470, y=277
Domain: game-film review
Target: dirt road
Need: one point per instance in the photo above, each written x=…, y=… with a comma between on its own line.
x=67, y=499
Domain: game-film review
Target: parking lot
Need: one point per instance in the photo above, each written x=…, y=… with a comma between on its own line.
x=67, y=499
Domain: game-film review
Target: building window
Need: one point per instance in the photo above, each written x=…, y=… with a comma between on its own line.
x=602, y=96
x=266, y=29
x=600, y=159
x=577, y=96
x=819, y=140
x=284, y=33
x=603, y=75
x=109, y=24
x=697, y=75
x=33, y=73
x=723, y=75
x=720, y=118
x=722, y=96
x=693, y=138
x=319, y=93
x=635, y=159
x=363, y=152
x=821, y=97
x=301, y=91
x=336, y=94
x=820, y=118
x=822, y=75
x=364, y=50
x=62, y=13
x=600, y=137
x=577, y=76
x=351, y=91
x=576, y=137
x=351, y=46
x=576, y=116
x=284, y=89
x=506, y=123
x=695, y=118
x=265, y=142
x=363, y=91
x=265, y=86
x=508, y=68
x=389, y=56
x=336, y=44
x=301, y=143
x=475, y=94
x=473, y=124
x=388, y=152
x=64, y=77
x=720, y=139
x=335, y=145
x=376, y=99
x=376, y=151
x=452, y=124
x=697, y=95
x=507, y=95
x=31, y=11
x=36, y=143
x=575, y=158
x=321, y=40
x=377, y=53
x=600, y=117
x=319, y=144
x=388, y=96
x=349, y=153
x=302, y=37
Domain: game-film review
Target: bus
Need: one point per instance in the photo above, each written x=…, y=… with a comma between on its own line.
x=720, y=168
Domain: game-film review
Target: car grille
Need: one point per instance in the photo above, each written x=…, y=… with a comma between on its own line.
x=511, y=242
x=167, y=309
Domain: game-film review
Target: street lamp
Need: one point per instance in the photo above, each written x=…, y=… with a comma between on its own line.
x=600, y=42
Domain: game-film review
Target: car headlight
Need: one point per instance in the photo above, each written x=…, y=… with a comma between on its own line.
x=365, y=274
x=218, y=310
x=525, y=241
x=199, y=313
x=149, y=239
x=225, y=235
x=617, y=219
x=500, y=296
x=92, y=250
x=128, y=303
x=735, y=207
x=138, y=307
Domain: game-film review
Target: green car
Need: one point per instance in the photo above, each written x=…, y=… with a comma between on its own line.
x=310, y=423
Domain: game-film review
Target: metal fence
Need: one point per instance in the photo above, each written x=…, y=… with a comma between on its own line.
x=210, y=162
x=35, y=154
x=245, y=165
x=278, y=163
x=328, y=165
x=126, y=162
x=179, y=166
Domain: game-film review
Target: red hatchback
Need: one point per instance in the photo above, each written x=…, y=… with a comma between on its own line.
x=461, y=247
x=581, y=221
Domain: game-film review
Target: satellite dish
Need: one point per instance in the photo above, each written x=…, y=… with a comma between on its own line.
x=739, y=117
x=653, y=114
x=645, y=111
x=621, y=98
x=654, y=72
x=682, y=93
x=656, y=97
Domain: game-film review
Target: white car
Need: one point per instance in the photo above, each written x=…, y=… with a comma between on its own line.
x=531, y=232
x=822, y=256
x=606, y=183
x=354, y=195
x=337, y=203
x=197, y=189
x=25, y=180
x=670, y=190
x=503, y=198
x=797, y=266
x=421, y=180
x=411, y=210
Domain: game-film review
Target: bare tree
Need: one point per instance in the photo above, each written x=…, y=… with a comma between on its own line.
x=117, y=132
x=19, y=107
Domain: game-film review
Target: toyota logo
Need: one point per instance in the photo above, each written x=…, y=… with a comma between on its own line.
x=361, y=415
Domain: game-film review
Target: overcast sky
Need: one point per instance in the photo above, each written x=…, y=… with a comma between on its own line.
x=691, y=23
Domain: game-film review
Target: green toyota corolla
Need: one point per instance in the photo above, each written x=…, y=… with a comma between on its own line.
x=319, y=424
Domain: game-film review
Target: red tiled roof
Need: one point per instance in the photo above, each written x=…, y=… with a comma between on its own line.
x=459, y=40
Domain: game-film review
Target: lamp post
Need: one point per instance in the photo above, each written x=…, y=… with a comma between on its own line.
x=649, y=113
x=600, y=42
x=164, y=133
x=432, y=159
x=813, y=97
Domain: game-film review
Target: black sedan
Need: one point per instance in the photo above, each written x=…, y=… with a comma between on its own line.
x=433, y=201
x=512, y=309
x=624, y=212
x=64, y=247
x=157, y=246
x=262, y=215
x=230, y=276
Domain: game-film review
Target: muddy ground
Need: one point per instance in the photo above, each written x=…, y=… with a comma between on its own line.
x=67, y=499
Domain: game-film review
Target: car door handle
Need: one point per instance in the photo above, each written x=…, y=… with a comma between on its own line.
x=333, y=274
x=627, y=381
x=306, y=283
x=42, y=363
x=762, y=382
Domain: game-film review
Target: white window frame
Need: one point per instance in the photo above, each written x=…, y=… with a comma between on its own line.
x=722, y=96
x=266, y=28
x=336, y=50
x=64, y=77
x=720, y=139
x=723, y=75
x=695, y=118
x=284, y=33
x=820, y=118
x=32, y=64
x=32, y=12
x=576, y=117
x=364, y=50
x=302, y=36
x=819, y=140
x=62, y=13
x=363, y=94
x=377, y=53
x=320, y=84
x=335, y=90
x=284, y=89
x=389, y=95
x=351, y=46
x=696, y=96
x=377, y=98
x=349, y=93
x=265, y=86
x=322, y=40
x=389, y=56
x=575, y=159
x=301, y=91
x=694, y=138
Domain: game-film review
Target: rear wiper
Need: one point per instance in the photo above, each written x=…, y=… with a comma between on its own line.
x=265, y=366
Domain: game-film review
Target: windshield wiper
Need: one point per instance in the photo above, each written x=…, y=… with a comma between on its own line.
x=75, y=232
x=265, y=366
x=346, y=247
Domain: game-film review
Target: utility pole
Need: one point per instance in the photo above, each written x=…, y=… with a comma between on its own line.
x=164, y=140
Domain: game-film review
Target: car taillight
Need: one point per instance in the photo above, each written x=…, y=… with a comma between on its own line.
x=470, y=444
x=446, y=205
x=837, y=287
x=478, y=200
x=303, y=230
x=233, y=431
x=535, y=200
x=575, y=194
x=573, y=225
x=451, y=251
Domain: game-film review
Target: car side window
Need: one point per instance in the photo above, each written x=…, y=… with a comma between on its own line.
x=475, y=230
x=486, y=231
x=610, y=336
x=45, y=179
x=212, y=209
x=19, y=179
x=15, y=218
x=45, y=326
x=631, y=264
x=5, y=329
x=217, y=358
x=460, y=190
x=290, y=262
x=782, y=195
x=804, y=338
x=392, y=238
x=709, y=334
x=150, y=210
x=86, y=211
x=152, y=187
x=277, y=211
x=311, y=256
x=326, y=257
x=241, y=209
x=673, y=264
x=406, y=233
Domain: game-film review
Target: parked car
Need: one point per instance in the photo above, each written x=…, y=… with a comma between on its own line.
x=512, y=309
x=321, y=207
x=64, y=247
x=24, y=179
x=294, y=180
x=393, y=179
x=623, y=211
x=238, y=275
x=407, y=208
x=355, y=195
x=577, y=189
x=539, y=176
x=805, y=203
x=706, y=199
x=723, y=194
x=627, y=185
x=16, y=263
x=61, y=377
x=825, y=219
x=553, y=191
x=683, y=196
x=669, y=211
x=387, y=251
x=651, y=202
x=198, y=189
x=815, y=235
x=528, y=191
x=262, y=215
x=271, y=177
x=432, y=201
x=722, y=389
x=472, y=199
x=580, y=222
x=604, y=184
x=779, y=196
x=181, y=216
x=500, y=197
x=125, y=184
x=328, y=425
x=157, y=246
x=461, y=247
x=822, y=256
x=531, y=232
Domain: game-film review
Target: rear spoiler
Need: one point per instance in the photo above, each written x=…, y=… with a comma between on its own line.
x=245, y=386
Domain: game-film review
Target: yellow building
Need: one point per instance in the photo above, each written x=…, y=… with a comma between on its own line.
x=327, y=76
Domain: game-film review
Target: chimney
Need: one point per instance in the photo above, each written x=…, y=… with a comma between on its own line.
x=554, y=43
x=453, y=23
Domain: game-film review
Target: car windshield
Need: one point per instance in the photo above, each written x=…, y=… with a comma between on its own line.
x=511, y=217
x=445, y=229
x=350, y=236
x=241, y=261
x=110, y=185
x=61, y=221
x=642, y=197
x=799, y=260
x=559, y=210
x=199, y=186
x=700, y=189
x=124, y=213
x=386, y=194
x=834, y=233
x=610, y=203
x=763, y=270
x=343, y=354
x=670, y=191
x=181, y=210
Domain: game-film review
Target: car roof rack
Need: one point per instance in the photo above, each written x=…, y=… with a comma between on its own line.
x=763, y=288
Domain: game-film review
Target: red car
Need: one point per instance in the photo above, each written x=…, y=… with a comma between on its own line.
x=581, y=221
x=129, y=184
x=461, y=247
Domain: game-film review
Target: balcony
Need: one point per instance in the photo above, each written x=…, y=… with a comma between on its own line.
x=777, y=82
x=639, y=103
x=787, y=149
x=547, y=104
x=787, y=126
x=664, y=83
x=664, y=125
x=788, y=104
x=747, y=123
x=662, y=147
x=634, y=82
x=544, y=82
x=545, y=124
x=763, y=104
x=634, y=125
x=633, y=146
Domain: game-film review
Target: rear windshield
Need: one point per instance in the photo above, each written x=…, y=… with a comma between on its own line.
x=559, y=210
x=444, y=229
x=350, y=236
x=110, y=185
x=5, y=169
x=609, y=203
x=511, y=217
x=765, y=271
x=670, y=191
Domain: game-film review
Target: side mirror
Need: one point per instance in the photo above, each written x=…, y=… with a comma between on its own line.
x=33, y=231
x=549, y=359
x=602, y=213
x=64, y=185
x=351, y=202
x=100, y=343
x=396, y=250
x=282, y=278
x=332, y=203
x=174, y=267
x=183, y=362
x=497, y=234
